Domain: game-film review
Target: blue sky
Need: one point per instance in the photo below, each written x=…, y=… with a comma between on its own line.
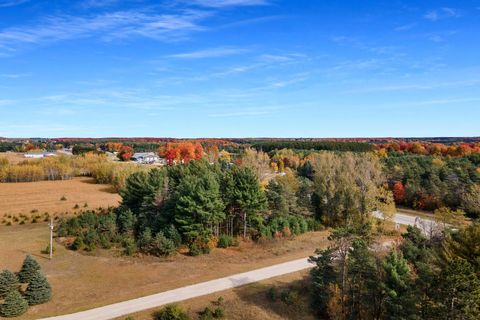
x=239, y=68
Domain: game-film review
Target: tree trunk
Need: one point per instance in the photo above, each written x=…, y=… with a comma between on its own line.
x=244, y=225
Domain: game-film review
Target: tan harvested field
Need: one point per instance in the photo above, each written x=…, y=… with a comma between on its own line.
x=251, y=302
x=45, y=196
x=82, y=281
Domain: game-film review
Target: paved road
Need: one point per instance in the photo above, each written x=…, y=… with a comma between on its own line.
x=184, y=293
x=204, y=288
x=425, y=224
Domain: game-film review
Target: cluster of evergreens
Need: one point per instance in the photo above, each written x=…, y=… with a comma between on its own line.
x=201, y=205
x=437, y=278
x=15, y=300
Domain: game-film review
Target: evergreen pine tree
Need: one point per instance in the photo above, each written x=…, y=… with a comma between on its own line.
x=29, y=268
x=8, y=283
x=14, y=305
x=399, y=303
x=458, y=292
x=38, y=290
x=323, y=276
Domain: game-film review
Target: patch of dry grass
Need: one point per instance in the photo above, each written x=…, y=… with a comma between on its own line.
x=251, y=302
x=36, y=198
x=14, y=157
x=82, y=281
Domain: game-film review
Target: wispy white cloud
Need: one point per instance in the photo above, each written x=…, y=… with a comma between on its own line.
x=293, y=80
x=11, y=3
x=442, y=13
x=228, y=3
x=406, y=27
x=360, y=44
x=116, y=98
x=443, y=101
x=108, y=26
x=209, y=53
x=347, y=66
x=97, y=3
x=14, y=75
x=421, y=85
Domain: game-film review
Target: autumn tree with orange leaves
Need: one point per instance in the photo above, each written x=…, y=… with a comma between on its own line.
x=399, y=192
x=181, y=152
x=125, y=153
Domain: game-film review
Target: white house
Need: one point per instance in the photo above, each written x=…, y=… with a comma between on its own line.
x=146, y=157
x=39, y=154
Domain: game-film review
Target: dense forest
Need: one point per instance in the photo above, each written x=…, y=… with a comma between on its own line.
x=207, y=198
x=421, y=278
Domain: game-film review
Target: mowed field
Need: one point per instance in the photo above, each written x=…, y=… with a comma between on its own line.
x=82, y=281
x=29, y=198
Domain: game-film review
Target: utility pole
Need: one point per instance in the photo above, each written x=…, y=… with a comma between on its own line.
x=51, y=237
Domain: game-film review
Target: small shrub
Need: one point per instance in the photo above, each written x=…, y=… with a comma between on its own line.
x=47, y=249
x=85, y=205
x=206, y=314
x=129, y=246
x=22, y=222
x=34, y=211
x=225, y=241
x=289, y=297
x=172, y=233
x=77, y=244
x=194, y=250
x=171, y=312
x=63, y=198
x=34, y=220
x=161, y=246
x=272, y=294
x=219, y=313
x=76, y=206
x=219, y=301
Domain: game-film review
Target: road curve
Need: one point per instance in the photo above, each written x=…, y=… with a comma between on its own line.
x=131, y=306
x=135, y=305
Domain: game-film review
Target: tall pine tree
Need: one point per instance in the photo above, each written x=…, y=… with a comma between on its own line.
x=399, y=303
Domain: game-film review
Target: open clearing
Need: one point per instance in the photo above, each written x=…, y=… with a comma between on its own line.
x=251, y=302
x=45, y=196
x=82, y=281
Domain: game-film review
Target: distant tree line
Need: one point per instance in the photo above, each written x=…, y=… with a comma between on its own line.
x=268, y=146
